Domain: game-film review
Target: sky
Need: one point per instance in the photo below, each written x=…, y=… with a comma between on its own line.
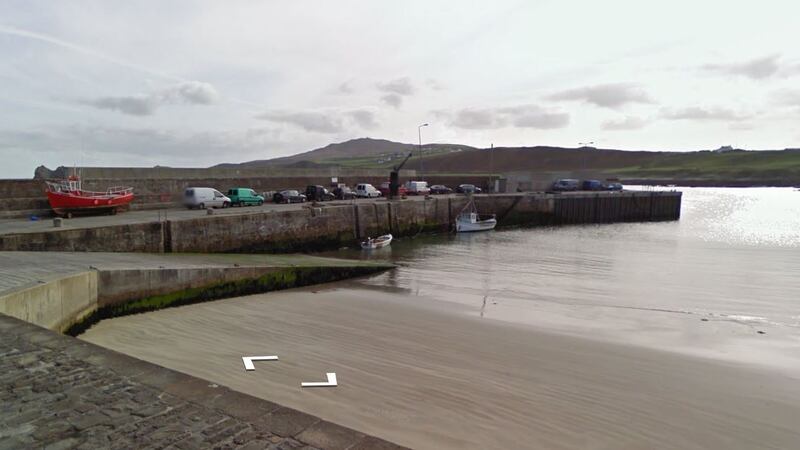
x=196, y=83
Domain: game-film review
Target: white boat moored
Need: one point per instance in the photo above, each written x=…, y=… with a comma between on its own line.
x=469, y=220
x=378, y=242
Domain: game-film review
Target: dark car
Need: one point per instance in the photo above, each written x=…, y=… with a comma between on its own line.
x=288, y=196
x=468, y=189
x=440, y=189
x=343, y=193
x=612, y=186
x=566, y=184
x=592, y=185
x=317, y=193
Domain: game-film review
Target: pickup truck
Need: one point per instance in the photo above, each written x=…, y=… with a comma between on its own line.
x=244, y=197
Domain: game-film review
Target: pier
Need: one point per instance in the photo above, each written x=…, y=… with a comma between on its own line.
x=61, y=392
x=312, y=227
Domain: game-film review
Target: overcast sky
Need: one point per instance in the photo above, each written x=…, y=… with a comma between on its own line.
x=141, y=83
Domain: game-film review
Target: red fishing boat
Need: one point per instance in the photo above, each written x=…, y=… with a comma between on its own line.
x=67, y=197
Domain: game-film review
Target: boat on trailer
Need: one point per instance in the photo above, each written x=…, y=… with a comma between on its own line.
x=469, y=220
x=68, y=196
x=378, y=242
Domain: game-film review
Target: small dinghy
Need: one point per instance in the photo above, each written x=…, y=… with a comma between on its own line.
x=378, y=242
x=469, y=220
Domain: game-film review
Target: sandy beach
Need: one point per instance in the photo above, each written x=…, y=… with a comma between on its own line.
x=431, y=377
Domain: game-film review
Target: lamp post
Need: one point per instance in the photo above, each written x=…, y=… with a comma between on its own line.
x=491, y=178
x=421, y=160
x=588, y=145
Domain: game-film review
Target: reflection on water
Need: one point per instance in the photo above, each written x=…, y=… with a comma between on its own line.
x=734, y=255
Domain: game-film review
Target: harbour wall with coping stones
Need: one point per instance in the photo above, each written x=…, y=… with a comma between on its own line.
x=72, y=302
x=315, y=228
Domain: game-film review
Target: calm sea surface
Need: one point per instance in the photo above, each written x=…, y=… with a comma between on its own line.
x=732, y=261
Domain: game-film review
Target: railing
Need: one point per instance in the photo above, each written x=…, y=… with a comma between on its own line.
x=119, y=190
x=68, y=188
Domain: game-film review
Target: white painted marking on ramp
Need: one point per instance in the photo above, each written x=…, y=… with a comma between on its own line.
x=248, y=361
x=331, y=381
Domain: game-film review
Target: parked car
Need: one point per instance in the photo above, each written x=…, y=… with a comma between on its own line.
x=317, y=193
x=418, y=188
x=468, y=189
x=244, y=197
x=343, y=192
x=384, y=188
x=612, y=186
x=592, y=185
x=566, y=184
x=440, y=189
x=288, y=196
x=204, y=197
x=366, y=190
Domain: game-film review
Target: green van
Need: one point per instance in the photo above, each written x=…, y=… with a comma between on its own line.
x=244, y=197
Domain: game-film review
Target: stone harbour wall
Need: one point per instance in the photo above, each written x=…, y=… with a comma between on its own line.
x=314, y=228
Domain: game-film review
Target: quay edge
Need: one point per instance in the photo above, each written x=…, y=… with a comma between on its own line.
x=329, y=226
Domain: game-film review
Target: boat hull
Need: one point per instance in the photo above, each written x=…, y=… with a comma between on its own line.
x=63, y=202
x=379, y=242
x=481, y=225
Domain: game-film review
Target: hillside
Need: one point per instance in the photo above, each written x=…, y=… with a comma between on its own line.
x=729, y=167
x=557, y=159
x=362, y=153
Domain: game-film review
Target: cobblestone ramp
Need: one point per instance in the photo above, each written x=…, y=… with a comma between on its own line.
x=61, y=393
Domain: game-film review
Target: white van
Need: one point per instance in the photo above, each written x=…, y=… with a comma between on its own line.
x=418, y=187
x=204, y=197
x=366, y=190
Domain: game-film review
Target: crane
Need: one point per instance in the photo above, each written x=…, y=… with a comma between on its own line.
x=394, y=178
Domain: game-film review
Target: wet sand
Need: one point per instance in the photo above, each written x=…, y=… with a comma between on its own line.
x=437, y=376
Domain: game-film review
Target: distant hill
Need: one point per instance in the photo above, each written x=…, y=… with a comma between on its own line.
x=723, y=166
x=362, y=152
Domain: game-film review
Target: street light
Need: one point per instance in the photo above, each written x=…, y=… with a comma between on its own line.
x=419, y=135
x=588, y=145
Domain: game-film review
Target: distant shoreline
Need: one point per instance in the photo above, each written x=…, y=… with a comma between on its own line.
x=725, y=182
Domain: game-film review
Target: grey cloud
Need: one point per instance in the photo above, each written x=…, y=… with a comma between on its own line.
x=136, y=105
x=328, y=122
x=189, y=92
x=345, y=88
x=314, y=121
x=144, y=145
x=524, y=116
x=434, y=84
x=700, y=113
x=194, y=92
x=741, y=126
x=625, y=123
x=393, y=100
x=786, y=97
x=532, y=116
x=756, y=69
x=399, y=86
x=611, y=95
x=364, y=118
x=476, y=119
